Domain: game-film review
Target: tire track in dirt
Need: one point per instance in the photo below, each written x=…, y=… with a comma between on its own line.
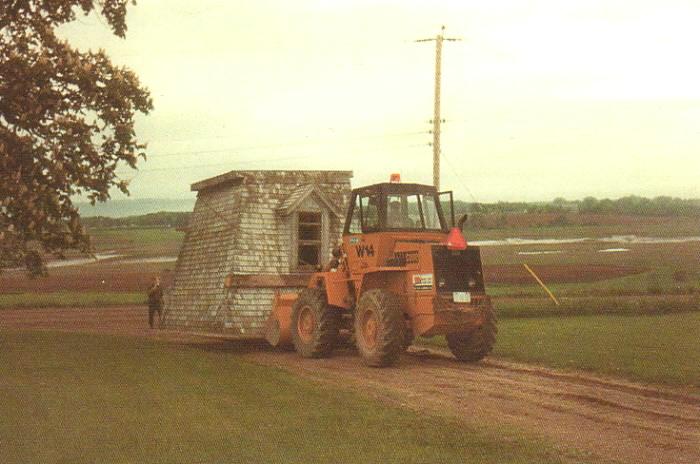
x=609, y=418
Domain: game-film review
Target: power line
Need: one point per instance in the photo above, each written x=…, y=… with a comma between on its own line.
x=281, y=144
x=191, y=166
x=249, y=161
x=459, y=177
x=219, y=137
x=138, y=172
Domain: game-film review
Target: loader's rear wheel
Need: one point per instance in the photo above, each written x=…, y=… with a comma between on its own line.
x=379, y=328
x=474, y=345
x=315, y=325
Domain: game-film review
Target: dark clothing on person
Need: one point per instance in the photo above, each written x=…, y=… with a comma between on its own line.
x=155, y=303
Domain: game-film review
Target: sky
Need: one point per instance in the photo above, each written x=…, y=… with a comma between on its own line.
x=541, y=99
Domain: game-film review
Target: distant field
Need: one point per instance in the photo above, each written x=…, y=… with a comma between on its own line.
x=587, y=225
x=138, y=242
x=86, y=398
x=100, y=277
x=584, y=269
x=571, y=270
x=632, y=255
x=659, y=282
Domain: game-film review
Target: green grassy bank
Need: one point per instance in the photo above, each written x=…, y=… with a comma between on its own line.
x=662, y=349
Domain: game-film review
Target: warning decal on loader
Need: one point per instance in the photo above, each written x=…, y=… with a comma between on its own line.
x=364, y=250
x=423, y=281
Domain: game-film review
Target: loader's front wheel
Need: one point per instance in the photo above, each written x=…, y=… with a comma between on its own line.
x=379, y=328
x=315, y=325
x=474, y=345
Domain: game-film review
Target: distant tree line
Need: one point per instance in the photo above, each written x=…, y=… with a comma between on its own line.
x=634, y=205
x=630, y=205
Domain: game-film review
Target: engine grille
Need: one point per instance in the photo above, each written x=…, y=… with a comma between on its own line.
x=458, y=270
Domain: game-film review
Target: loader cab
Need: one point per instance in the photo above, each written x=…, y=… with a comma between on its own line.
x=397, y=207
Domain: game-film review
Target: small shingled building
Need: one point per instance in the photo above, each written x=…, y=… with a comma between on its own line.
x=253, y=234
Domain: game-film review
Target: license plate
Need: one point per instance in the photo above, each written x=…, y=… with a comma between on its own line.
x=461, y=297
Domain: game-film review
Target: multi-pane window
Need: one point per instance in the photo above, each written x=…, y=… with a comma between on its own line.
x=309, y=241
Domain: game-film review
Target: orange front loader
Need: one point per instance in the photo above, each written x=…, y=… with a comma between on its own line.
x=400, y=272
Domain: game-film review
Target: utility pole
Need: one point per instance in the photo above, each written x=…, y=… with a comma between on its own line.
x=436, y=116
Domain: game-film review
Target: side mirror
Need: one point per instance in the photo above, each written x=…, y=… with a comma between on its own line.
x=462, y=221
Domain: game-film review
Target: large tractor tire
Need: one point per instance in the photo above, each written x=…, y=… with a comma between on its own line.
x=474, y=345
x=379, y=328
x=315, y=325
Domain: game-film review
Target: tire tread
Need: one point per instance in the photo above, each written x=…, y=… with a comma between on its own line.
x=328, y=324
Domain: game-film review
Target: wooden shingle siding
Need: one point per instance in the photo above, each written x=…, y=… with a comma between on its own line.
x=237, y=228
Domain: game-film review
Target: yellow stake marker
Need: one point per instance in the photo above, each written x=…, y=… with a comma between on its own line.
x=551, y=295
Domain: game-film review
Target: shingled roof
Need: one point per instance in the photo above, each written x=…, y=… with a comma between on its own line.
x=228, y=179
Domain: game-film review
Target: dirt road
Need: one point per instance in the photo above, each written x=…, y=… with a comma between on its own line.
x=610, y=419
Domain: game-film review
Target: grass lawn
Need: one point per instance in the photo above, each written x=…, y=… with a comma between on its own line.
x=85, y=398
x=663, y=349
x=648, y=283
x=70, y=299
x=510, y=307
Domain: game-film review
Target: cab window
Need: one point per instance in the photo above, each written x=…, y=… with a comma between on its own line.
x=370, y=212
x=430, y=212
x=412, y=211
x=355, y=226
x=402, y=211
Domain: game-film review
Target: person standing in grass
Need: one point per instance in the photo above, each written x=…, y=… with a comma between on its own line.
x=155, y=301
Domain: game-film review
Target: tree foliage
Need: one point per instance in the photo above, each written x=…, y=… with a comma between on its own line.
x=630, y=205
x=640, y=206
x=66, y=124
